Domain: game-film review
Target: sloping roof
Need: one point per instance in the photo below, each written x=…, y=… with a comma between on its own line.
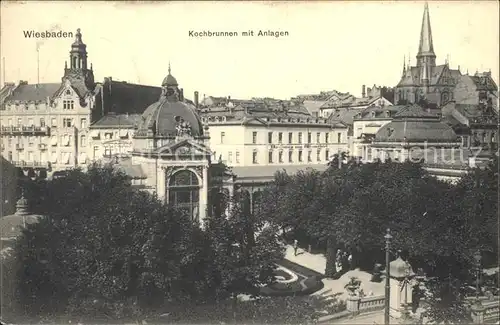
x=38, y=92
x=379, y=112
x=11, y=226
x=345, y=115
x=117, y=120
x=125, y=165
x=484, y=82
x=413, y=111
x=130, y=98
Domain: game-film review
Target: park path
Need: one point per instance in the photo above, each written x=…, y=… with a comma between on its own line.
x=317, y=263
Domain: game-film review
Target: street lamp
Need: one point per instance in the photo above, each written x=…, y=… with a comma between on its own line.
x=388, y=238
x=477, y=258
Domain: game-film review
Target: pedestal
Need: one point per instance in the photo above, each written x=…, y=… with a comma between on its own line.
x=401, y=294
x=477, y=313
x=352, y=304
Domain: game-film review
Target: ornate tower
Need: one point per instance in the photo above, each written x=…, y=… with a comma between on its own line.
x=170, y=87
x=78, y=70
x=426, y=58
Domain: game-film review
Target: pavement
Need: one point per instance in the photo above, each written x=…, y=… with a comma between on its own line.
x=317, y=263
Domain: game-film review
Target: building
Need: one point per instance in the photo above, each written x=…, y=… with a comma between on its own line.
x=366, y=124
x=170, y=154
x=419, y=136
x=47, y=127
x=477, y=89
x=10, y=180
x=335, y=104
x=313, y=102
x=260, y=136
x=426, y=82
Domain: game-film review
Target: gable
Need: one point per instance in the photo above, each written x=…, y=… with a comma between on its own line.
x=184, y=148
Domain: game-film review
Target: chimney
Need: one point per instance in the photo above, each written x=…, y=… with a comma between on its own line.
x=181, y=94
x=196, y=99
x=363, y=91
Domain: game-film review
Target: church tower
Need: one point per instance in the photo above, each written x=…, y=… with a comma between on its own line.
x=426, y=58
x=78, y=69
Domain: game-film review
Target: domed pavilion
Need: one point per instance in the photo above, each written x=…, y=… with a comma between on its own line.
x=170, y=153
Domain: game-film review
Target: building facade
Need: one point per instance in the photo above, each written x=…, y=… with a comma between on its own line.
x=45, y=125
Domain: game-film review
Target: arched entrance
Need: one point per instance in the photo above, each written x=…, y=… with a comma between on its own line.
x=184, y=193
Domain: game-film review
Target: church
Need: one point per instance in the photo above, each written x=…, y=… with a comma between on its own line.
x=426, y=82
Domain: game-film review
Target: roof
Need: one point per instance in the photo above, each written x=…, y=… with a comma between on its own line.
x=416, y=130
x=269, y=171
x=484, y=81
x=345, y=115
x=11, y=226
x=129, y=98
x=39, y=92
x=378, y=112
x=413, y=111
x=118, y=120
x=162, y=118
x=351, y=102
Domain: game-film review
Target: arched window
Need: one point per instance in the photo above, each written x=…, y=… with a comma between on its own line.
x=445, y=97
x=184, y=193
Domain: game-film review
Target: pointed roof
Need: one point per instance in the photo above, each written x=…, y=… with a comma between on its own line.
x=78, y=43
x=414, y=111
x=426, y=47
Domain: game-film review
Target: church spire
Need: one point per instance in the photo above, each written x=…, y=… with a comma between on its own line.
x=404, y=65
x=426, y=47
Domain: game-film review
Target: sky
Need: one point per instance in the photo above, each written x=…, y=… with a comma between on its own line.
x=331, y=45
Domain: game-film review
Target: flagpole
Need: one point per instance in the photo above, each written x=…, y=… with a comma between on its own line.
x=38, y=64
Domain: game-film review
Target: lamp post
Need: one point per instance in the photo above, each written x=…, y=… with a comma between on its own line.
x=388, y=238
x=477, y=258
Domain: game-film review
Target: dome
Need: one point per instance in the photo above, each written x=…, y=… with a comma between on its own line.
x=163, y=119
x=169, y=80
x=400, y=269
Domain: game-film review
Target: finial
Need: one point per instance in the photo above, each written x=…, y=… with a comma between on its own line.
x=65, y=64
x=169, y=70
x=91, y=66
x=78, y=30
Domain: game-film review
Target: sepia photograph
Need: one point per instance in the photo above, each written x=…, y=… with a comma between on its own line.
x=259, y=162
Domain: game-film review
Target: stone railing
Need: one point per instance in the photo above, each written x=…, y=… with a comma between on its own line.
x=357, y=305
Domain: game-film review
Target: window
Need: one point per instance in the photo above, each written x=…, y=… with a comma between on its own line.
x=67, y=122
x=30, y=122
x=254, y=137
x=68, y=104
x=327, y=155
x=83, y=123
x=70, y=140
x=10, y=122
x=9, y=141
x=290, y=137
x=327, y=137
x=318, y=137
x=42, y=122
x=493, y=138
x=309, y=137
x=237, y=157
x=184, y=193
x=309, y=156
x=339, y=137
x=222, y=136
x=30, y=155
x=53, y=122
x=150, y=144
x=83, y=141
x=290, y=156
x=9, y=156
x=107, y=151
x=31, y=140
x=280, y=156
x=230, y=157
x=254, y=157
x=270, y=137
x=280, y=137
x=270, y=156
x=300, y=155
x=300, y=137
x=19, y=122
x=318, y=155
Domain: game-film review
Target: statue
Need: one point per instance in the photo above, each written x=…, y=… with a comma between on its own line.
x=183, y=128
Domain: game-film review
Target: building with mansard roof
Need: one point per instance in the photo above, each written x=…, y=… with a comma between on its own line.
x=46, y=127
